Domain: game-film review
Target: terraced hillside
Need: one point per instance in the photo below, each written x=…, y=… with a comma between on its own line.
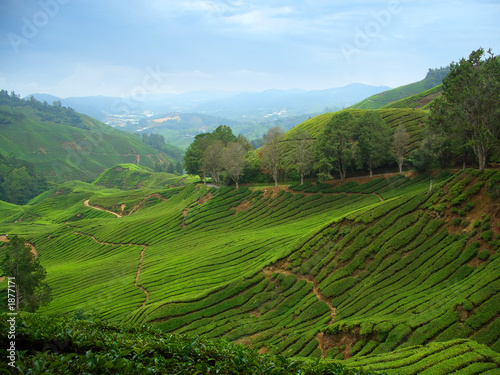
x=433, y=78
x=421, y=100
x=346, y=272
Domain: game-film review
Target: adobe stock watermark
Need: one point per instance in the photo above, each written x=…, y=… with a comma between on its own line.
x=373, y=29
x=30, y=26
x=151, y=81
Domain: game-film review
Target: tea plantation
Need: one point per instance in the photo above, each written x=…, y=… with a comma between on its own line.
x=399, y=274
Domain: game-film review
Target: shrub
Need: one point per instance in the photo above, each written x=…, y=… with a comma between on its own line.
x=483, y=255
x=487, y=235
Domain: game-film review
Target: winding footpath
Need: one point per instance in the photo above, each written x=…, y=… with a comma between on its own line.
x=268, y=271
x=87, y=204
x=144, y=247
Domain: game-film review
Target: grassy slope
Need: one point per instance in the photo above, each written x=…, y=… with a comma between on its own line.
x=380, y=100
x=274, y=274
x=131, y=176
x=64, y=152
x=419, y=101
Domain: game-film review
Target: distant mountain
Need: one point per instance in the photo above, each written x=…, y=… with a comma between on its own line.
x=433, y=78
x=63, y=144
x=236, y=106
x=294, y=102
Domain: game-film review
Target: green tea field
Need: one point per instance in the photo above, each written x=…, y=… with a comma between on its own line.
x=397, y=274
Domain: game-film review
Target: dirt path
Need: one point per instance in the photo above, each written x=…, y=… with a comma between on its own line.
x=144, y=247
x=86, y=203
x=138, y=274
x=333, y=311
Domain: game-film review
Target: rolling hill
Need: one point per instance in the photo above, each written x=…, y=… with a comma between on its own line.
x=433, y=78
x=65, y=145
x=398, y=273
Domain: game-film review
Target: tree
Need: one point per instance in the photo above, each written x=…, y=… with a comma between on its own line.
x=400, y=145
x=335, y=147
x=178, y=168
x=271, y=155
x=468, y=111
x=225, y=134
x=373, y=136
x=194, y=154
x=28, y=275
x=233, y=161
x=212, y=161
x=301, y=155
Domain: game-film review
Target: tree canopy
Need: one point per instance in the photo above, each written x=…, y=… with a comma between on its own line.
x=468, y=112
x=28, y=274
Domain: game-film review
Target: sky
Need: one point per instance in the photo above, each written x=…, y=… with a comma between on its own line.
x=131, y=47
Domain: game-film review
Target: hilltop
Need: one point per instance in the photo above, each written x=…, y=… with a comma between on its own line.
x=433, y=78
x=386, y=273
x=63, y=144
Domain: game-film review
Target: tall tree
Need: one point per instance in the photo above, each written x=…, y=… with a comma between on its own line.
x=178, y=168
x=374, y=140
x=301, y=155
x=194, y=155
x=28, y=275
x=212, y=161
x=225, y=134
x=233, y=161
x=335, y=147
x=400, y=145
x=468, y=111
x=271, y=154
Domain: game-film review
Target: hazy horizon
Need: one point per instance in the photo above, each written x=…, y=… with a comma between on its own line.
x=68, y=48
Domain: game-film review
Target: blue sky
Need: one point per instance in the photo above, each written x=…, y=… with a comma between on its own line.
x=126, y=47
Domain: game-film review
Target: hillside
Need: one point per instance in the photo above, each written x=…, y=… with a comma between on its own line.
x=418, y=101
x=412, y=119
x=63, y=144
x=399, y=265
x=433, y=78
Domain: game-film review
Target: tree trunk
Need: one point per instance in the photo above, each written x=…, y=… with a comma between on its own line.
x=237, y=187
x=371, y=173
x=482, y=154
x=302, y=178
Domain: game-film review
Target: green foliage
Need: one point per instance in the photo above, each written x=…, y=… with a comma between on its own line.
x=19, y=181
x=373, y=138
x=466, y=113
x=334, y=148
x=26, y=276
x=67, y=345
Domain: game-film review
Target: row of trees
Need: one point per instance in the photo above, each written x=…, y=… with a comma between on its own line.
x=344, y=143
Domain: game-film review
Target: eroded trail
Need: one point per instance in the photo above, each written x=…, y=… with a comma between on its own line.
x=144, y=247
x=86, y=203
x=268, y=271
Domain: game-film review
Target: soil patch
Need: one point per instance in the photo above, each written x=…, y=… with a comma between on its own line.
x=243, y=206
